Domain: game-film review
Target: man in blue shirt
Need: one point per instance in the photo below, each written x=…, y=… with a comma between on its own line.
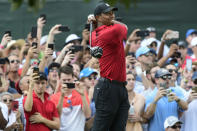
x=163, y=101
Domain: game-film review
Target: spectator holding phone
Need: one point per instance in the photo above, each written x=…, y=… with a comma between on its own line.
x=7, y=99
x=172, y=123
x=40, y=112
x=189, y=117
x=163, y=101
x=72, y=102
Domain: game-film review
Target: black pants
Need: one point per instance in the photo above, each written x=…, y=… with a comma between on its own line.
x=112, y=105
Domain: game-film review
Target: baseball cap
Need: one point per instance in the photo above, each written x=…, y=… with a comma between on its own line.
x=42, y=76
x=141, y=51
x=72, y=37
x=171, y=121
x=43, y=40
x=194, y=41
x=182, y=43
x=162, y=72
x=194, y=76
x=103, y=8
x=151, y=29
x=87, y=72
x=149, y=41
x=190, y=31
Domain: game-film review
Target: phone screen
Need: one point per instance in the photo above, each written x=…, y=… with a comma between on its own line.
x=15, y=105
x=34, y=32
x=44, y=17
x=189, y=64
x=70, y=85
x=51, y=46
x=64, y=28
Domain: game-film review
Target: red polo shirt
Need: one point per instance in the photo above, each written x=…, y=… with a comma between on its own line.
x=110, y=39
x=46, y=109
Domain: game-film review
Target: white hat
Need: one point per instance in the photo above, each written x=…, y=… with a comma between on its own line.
x=4, y=110
x=148, y=41
x=43, y=40
x=72, y=37
x=194, y=41
x=171, y=121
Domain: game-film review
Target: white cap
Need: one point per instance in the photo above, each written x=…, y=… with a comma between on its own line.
x=171, y=121
x=43, y=40
x=72, y=37
x=148, y=41
x=194, y=41
x=4, y=110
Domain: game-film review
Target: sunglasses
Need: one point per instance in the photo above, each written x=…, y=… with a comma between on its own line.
x=52, y=70
x=7, y=100
x=17, y=61
x=15, y=47
x=92, y=78
x=148, y=54
x=171, y=70
x=176, y=126
x=166, y=77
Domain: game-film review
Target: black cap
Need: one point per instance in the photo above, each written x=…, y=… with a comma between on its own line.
x=182, y=43
x=103, y=8
x=42, y=76
x=162, y=72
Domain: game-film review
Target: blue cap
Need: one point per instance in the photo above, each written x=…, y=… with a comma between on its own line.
x=190, y=31
x=162, y=72
x=194, y=76
x=87, y=72
x=141, y=51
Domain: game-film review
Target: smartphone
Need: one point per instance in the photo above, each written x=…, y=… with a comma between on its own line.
x=64, y=28
x=44, y=17
x=70, y=85
x=142, y=33
x=36, y=70
x=87, y=26
x=189, y=64
x=34, y=44
x=34, y=32
x=173, y=35
x=194, y=89
x=15, y=105
x=51, y=45
x=8, y=32
x=76, y=48
x=163, y=85
x=2, y=61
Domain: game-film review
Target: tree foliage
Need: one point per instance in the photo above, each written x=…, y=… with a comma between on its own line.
x=35, y=5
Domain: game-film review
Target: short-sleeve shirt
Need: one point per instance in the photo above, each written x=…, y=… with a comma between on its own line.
x=110, y=39
x=72, y=117
x=47, y=109
x=163, y=109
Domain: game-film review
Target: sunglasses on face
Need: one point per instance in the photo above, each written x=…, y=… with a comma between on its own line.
x=92, y=78
x=7, y=100
x=17, y=61
x=148, y=54
x=15, y=47
x=176, y=126
x=171, y=70
x=52, y=70
x=166, y=77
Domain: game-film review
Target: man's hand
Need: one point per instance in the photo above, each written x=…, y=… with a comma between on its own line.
x=133, y=36
x=5, y=83
x=192, y=96
x=173, y=49
x=48, y=53
x=86, y=34
x=32, y=51
x=36, y=118
x=33, y=78
x=160, y=93
x=5, y=40
x=80, y=88
x=134, y=118
x=172, y=96
x=91, y=18
x=67, y=47
x=55, y=30
x=164, y=37
x=64, y=89
x=68, y=58
x=41, y=22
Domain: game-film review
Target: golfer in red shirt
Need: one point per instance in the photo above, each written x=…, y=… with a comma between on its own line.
x=40, y=112
x=110, y=94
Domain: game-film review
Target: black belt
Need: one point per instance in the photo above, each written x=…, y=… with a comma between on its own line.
x=113, y=81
